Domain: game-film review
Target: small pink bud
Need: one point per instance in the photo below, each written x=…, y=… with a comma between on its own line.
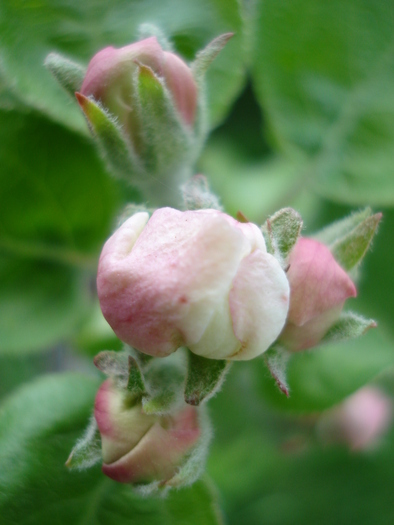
x=199, y=279
x=359, y=421
x=110, y=80
x=138, y=447
x=319, y=288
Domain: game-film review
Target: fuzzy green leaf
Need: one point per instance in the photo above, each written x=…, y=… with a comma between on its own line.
x=348, y=326
x=197, y=195
x=282, y=231
x=168, y=146
x=350, y=250
x=136, y=383
x=340, y=229
x=87, y=450
x=112, y=363
x=164, y=383
x=69, y=74
x=206, y=56
x=276, y=359
x=110, y=140
x=204, y=378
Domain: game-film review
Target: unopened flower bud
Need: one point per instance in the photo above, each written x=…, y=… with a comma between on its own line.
x=199, y=279
x=319, y=288
x=111, y=79
x=140, y=448
x=359, y=421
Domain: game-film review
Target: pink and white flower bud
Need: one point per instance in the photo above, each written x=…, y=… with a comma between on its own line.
x=359, y=421
x=142, y=448
x=319, y=288
x=199, y=279
x=110, y=80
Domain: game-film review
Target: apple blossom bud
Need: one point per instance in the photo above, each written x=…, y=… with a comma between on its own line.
x=319, y=288
x=109, y=79
x=199, y=279
x=142, y=448
x=359, y=421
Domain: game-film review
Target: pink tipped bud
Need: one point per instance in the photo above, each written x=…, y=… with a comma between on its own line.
x=198, y=279
x=138, y=447
x=359, y=421
x=110, y=80
x=319, y=288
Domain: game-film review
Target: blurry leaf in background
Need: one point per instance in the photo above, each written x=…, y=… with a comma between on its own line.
x=38, y=427
x=324, y=74
x=324, y=376
x=271, y=469
x=56, y=209
x=80, y=29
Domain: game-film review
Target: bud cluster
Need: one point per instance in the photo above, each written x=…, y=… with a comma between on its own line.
x=196, y=287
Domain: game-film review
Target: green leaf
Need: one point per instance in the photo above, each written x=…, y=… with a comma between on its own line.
x=56, y=205
x=204, y=378
x=69, y=74
x=79, y=30
x=324, y=76
x=38, y=427
x=324, y=376
x=112, y=364
x=341, y=228
x=197, y=195
x=110, y=140
x=165, y=383
x=276, y=360
x=40, y=303
x=348, y=326
x=350, y=250
x=206, y=56
x=87, y=451
x=169, y=147
x=282, y=231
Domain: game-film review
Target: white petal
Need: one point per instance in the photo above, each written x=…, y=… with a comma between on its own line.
x=259, y=301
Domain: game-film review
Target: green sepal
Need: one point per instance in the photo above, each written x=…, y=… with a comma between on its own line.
x=204, y=378
x=206, y=56
x=276, y=359
x=339, y=229
x=166, y=138
x=197, y=195
x=135, y=383
x=113, y=364
x=111, y=142
x=165, y=379
x=87, y=450
x=69, y=74
x=124, y=370
x=281, y=232
x=348, y=326
x=350, y=249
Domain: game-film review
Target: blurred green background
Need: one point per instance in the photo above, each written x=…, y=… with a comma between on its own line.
x=301, y=107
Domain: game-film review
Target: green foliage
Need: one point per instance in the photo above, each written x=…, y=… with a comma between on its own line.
x=204, y=378
x=323, y=377
x=323, y=74
x=55, y=211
